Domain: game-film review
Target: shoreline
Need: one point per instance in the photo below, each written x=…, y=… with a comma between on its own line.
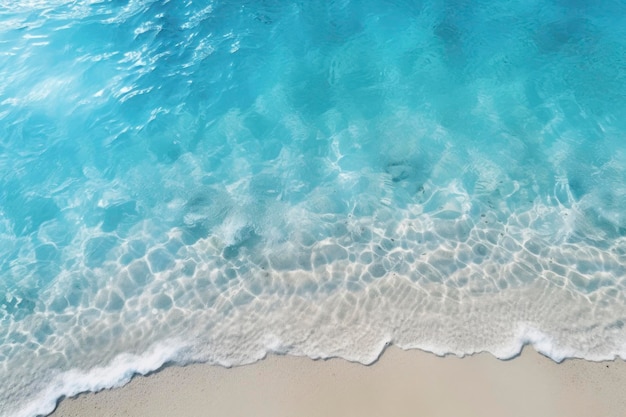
x=401, y=383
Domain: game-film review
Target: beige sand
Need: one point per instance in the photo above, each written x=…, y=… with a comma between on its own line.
x=411, y=383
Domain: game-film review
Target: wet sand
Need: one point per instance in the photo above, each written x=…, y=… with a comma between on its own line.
x=402, y=383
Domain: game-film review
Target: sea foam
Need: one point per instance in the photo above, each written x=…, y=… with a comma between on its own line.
x=115, y=374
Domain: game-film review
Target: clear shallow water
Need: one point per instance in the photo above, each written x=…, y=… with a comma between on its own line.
x=184, y=181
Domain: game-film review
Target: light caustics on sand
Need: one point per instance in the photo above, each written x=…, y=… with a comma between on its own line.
x=215, y=180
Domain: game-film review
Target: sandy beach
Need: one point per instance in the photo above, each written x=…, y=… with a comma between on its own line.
x=401, y=383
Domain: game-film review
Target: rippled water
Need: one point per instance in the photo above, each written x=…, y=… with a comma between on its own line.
x=214, y=180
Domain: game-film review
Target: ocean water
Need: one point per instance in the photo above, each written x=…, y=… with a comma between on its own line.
x=215, y=180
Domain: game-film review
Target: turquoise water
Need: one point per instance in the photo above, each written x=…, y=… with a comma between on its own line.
x=216, y=180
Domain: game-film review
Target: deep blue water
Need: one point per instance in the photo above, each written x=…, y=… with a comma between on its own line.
x=214, y=180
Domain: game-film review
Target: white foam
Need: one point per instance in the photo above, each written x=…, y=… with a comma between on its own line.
x=117, y=373
x=541, y=342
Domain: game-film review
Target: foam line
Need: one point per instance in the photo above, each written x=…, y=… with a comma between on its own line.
x=119, y=372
